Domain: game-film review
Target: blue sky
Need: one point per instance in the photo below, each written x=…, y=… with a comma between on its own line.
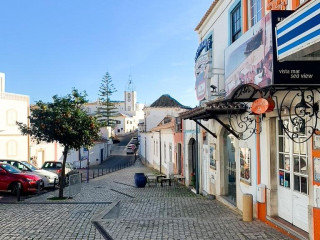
x=50, y=46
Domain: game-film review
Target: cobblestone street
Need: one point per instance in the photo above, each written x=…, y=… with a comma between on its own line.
x=110, y=207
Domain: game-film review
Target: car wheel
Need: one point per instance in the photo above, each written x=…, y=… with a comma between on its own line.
x=15, y=187
x=41, y=182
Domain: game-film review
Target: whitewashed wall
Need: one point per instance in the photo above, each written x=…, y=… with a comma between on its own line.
x=153, y=116
x=13, y=107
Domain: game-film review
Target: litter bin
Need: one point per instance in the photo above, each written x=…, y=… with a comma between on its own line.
x=247, y=213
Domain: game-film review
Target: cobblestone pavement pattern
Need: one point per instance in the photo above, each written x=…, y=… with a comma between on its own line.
x=125, y=212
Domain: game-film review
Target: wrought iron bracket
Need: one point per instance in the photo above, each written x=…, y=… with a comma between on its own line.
x=298, y=113
x=200, y=124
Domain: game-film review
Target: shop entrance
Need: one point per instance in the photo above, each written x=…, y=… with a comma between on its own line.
x=192, y=162
x=179, y=158
x=228, y=168
x=292, y=180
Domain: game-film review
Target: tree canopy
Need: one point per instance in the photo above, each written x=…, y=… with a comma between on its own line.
x=106, y=111
x=64, y=121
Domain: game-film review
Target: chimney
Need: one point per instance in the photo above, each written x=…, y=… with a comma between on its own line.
x=2, y=82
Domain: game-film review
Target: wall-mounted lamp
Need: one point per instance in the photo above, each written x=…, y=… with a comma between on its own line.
x=302, y=106
x=213, y=88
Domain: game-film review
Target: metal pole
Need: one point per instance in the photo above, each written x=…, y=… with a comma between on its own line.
x=160, y=150
x=88, y=169
x=54, y=184
x=38, y=187
x=18, y=191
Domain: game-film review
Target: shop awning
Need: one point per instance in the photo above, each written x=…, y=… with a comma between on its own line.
x=212, y=110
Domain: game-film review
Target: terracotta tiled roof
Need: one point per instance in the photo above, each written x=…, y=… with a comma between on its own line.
x=163, y=126
x=214, y=3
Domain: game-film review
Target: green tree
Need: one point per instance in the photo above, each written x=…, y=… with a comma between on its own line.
x=106, y=111
x=64, y=121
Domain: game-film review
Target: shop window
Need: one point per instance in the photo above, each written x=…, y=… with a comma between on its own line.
x=178, y=125
x=255, y=13
x=236, y=23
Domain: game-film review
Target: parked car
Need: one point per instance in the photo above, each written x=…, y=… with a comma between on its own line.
x=11, y=176
x=56, y=167
x=131, y=148
x=48, y=178
x=52, y=178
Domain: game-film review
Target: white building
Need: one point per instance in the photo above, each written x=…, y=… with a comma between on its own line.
x=157, y=135
x=241, y=149
x=13, y=108
x=129, y=111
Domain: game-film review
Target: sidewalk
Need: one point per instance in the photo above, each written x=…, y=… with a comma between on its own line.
x=110, y=207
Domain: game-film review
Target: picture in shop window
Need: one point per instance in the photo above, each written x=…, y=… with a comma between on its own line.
x=316, y=162
x=245, y=165
x=212, y=156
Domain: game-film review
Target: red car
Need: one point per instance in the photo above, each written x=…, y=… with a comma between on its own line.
x=11, y=176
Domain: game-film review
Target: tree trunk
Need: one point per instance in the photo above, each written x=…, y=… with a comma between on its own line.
x=63, y=172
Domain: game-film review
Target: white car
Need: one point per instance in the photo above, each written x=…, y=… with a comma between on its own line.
x=50, y=176
x=131, y=148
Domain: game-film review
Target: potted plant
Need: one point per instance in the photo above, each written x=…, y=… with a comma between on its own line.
x=193, y=179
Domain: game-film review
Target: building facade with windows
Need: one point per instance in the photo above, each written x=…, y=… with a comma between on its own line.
x=161, y=136
x=256, y=127
x=14, y=107
x=128, y=112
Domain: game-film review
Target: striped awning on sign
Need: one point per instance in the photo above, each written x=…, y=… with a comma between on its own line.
x=299, y=34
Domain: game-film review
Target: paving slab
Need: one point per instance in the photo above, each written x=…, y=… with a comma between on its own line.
x=111, y=207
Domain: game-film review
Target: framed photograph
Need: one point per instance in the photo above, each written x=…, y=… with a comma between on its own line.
x=316, y=142
x=213, y=156
x=316, y=169
x=245, y=165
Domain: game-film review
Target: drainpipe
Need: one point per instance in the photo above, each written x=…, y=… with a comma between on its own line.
x=160, y=150
x=197, y=162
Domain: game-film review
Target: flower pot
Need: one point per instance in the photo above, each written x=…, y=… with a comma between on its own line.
x=140, y=180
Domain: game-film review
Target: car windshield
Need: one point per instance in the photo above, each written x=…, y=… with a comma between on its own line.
x=10, y=168
x=33, y=168
x=52, y=165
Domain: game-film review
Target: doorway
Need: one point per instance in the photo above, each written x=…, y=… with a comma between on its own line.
x=192, y=161
x=40, y=158
x=228, y=168
x=179, y=158
x=293, y=179
x=101, y=155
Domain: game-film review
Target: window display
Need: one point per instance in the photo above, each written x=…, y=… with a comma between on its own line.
x=245, y=165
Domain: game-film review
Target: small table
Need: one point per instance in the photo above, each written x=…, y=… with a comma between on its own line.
x=165, y=180
x=179, y=178
x=160, y=176
x=152, y=179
